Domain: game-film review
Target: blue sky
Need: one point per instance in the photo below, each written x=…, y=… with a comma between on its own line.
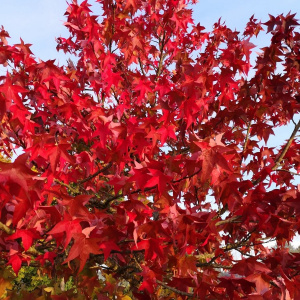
x=40, y=22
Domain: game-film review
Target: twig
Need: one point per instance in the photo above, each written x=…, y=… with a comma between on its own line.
x=162, y=56
x=216, y=266
x=186, y=177
x=141, y=66
x=234, y=219
x=286, y=147
x=284, y=170
x=105, y=203
x=75, y=191
x=246, y=140
x=284, y=151
x=182, y=293
x=6, y=229
x=95, y=174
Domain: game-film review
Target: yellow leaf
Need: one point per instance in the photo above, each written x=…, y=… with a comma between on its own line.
x=110, y=278
x=49, y=289
x=4, y=284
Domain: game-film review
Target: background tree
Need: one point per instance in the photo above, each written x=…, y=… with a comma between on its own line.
x=146, y=161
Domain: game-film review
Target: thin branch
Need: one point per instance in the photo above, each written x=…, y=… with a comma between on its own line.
x=182, y=293
x=112, y=27
x=95, y=174
x=287, y=171
x=115, y=96
x=105, y=203
x=286, y=147
x=246, y=140
x=6, y=229
x=22, y=143
x=234, y=219
x=141, y=66
x=162, y=56
x=186, y=177
x=215, y=266
x=283, y=153
x=75, y=191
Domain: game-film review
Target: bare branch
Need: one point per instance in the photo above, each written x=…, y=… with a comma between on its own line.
x=246, y=140
x=286, y=147
x=182, y=293
x=287, y=171
x=105, y=203
x=235, y=219
x=141, y=66
x=6, y=229
x=215, y=266
x=96, y=174
x=73, y=190
x=283, y=153
x=162, y=56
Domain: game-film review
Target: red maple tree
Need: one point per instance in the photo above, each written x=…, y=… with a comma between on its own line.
x=146, y=163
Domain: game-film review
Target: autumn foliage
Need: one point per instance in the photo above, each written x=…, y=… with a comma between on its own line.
x=143, y=168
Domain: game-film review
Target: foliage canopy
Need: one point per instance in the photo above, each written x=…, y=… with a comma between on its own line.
x=146, y=160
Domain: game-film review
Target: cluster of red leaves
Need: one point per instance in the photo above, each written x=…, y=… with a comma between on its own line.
x=147, y=156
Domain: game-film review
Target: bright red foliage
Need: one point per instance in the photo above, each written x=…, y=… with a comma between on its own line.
x=147, y=157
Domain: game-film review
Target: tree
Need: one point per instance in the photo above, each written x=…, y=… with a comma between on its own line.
x=145, y=161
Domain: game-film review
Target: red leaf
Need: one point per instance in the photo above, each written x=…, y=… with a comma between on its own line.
x=15, y=261
x=82, y=248
x=26, y=235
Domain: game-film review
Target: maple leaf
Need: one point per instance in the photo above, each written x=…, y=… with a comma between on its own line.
x=17, y=172
x=158, y=178
x=131, y=4
x=249, y=266
x=262, y=282
x=67, y=228
x=82, y=248
x=48, y=256
x=107, y=247
x=15, y=261
x=11, y=92
x=27, y=237
x=56, y=153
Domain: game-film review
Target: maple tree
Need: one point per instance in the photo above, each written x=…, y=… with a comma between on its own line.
x=145, y=163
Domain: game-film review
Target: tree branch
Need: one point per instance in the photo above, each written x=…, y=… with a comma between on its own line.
x=73, y=190
x=234, y=219
x=6, y=229
x=162, y=56
x=246, y=140
x=182, y=293
x=95, y=174
x=286, y=147
x=141, y=66
x=105, y=203
x=215, y=266
x=287, y=171
x=283, y=153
